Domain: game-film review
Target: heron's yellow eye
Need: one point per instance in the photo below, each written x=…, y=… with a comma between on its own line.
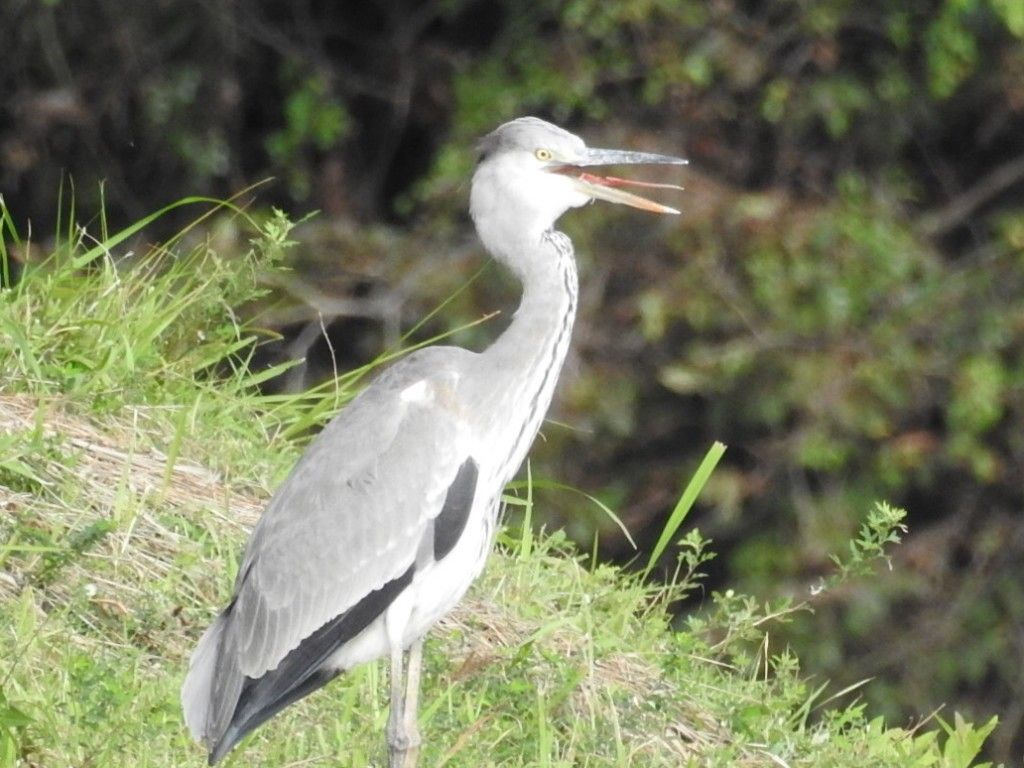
x=543, y=155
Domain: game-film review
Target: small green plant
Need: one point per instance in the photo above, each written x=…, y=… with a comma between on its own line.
x=13, y=722
x=884, y=526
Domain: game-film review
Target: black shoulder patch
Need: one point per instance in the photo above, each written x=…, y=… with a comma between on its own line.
x=300, y=672
x=449, y=525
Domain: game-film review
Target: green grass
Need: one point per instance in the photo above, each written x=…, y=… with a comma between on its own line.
x=134, y=454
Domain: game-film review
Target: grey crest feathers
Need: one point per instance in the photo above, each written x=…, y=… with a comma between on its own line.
x=528, y=134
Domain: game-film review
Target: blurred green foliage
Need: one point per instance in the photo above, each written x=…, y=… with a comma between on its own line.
x=314, y=121
x=842, y=301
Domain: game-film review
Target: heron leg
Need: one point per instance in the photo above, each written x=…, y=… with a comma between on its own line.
x=403, y=730
x=410, y=720
x=395, y=719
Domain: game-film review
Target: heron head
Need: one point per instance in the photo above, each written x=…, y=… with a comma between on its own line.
x=530, y=172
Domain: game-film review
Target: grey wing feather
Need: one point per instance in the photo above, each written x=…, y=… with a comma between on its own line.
x=349, y=519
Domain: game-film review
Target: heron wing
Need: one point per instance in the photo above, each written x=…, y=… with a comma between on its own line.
x=348, y=521
x=350, y=517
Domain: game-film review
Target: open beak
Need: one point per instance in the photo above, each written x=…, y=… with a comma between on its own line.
x=610, y=188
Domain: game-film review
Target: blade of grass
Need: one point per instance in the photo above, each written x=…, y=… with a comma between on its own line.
x=682, y=508
x=6, y=223
x=526, y=537
x=455, y=294
x=119, y=237
x=60, y=212
x=104, y=230
x=556, y=486
x=25, y=347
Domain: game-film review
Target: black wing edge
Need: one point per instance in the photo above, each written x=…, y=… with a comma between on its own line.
x=300, y=672
x=458, y=502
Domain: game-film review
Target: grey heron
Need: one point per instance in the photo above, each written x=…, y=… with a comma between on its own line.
x=391, y=512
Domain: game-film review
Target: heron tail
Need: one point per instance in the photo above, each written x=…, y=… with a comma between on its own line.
x=196, y=691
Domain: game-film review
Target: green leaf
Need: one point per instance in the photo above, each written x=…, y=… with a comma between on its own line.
x=682, y=508
x=965, y=740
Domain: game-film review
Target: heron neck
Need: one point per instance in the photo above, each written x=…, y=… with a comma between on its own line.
x=537, y=338
x=523, y=364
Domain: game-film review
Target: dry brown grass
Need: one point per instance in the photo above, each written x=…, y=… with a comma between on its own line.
x=117, y=476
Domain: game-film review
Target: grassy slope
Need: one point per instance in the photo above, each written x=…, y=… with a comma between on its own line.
x=128, y=476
